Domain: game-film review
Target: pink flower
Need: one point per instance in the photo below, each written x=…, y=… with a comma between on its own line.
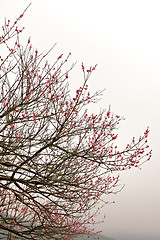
x=12, y=126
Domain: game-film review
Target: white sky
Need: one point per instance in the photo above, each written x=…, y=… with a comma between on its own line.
x=123, y=37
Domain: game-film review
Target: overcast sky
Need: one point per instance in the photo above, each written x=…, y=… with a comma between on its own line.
x=123, y=37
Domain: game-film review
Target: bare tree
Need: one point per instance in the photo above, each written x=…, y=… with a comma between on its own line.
x=56, y=159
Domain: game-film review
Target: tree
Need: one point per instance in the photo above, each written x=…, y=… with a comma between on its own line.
x=56, y=159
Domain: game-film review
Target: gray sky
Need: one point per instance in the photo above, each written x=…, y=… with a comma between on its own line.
x=123, y=37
